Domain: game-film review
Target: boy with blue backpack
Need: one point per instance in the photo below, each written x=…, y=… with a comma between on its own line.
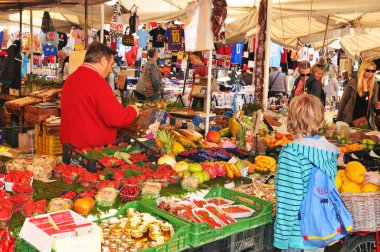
x=309, y=211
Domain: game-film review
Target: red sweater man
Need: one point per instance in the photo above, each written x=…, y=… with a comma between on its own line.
x=90, y=114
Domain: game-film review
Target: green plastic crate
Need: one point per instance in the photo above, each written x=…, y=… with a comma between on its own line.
x=202, y=233
x=180, y=240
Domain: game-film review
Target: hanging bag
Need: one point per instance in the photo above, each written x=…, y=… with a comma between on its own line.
x=128, y=39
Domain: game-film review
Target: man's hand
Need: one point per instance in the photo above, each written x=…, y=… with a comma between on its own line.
x=372, y=178
x=136, y=109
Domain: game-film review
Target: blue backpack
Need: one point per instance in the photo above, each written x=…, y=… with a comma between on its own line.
x=324, y=219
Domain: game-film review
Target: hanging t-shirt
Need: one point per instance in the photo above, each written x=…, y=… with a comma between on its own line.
x=62, y=40
x=24, y=67
x=175, y=35
x=1, y=38
x=275, y=55
x=49, y=50
x=49, y=38
x=237, y=52
x=143, y=37
x=198, y=33
x=225, y=50
x=158, y=37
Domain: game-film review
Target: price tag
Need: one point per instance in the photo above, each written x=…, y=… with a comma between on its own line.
x=202, y=126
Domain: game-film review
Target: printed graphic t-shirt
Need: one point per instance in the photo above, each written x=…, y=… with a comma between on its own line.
x=158, y=37
x=175, y=35
x=143, y=37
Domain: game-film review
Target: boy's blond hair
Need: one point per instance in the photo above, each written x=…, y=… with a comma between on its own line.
x=306, y=114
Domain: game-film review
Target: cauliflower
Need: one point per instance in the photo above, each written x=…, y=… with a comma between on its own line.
x=350, y=187
x=355, y=172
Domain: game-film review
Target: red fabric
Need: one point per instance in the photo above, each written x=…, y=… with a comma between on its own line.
x=284, y=56
x=225, y=50
x=90, y=114
x=131, y=55
x=201, y=71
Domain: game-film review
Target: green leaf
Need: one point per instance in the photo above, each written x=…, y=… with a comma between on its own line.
x=109, y=151
x=129, y=173
x=135, y=150
x=93, y=155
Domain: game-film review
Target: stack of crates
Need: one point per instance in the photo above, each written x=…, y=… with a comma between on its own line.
x=47, y=139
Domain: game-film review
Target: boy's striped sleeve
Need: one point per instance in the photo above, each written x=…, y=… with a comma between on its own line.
x=289, y=194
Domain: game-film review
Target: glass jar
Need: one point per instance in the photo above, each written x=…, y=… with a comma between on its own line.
x=137, y=235
x=166, y=231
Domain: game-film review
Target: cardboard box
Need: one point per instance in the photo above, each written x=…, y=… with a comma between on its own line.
x=81, y=235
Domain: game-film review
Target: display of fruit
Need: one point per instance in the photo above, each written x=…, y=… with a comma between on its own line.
x=234, y=126
x=181, y=166
x=167, y=160
x=221, y=122
x=350, y=147
x=350, y=180
x=129, y=192
x=183, y=140
x=264, y=164
x=177, y=148
x=195, y=167
x=84, y=205
x=88, y=193
x=33, y=208
x=343, y=138
x=165, y=142
x=213, y=136
x=368, y=144
x=69, y=195
x=278, y=139
x=192, y=135
x=225, y=132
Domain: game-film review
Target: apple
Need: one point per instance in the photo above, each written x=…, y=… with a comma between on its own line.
x=195, y=167
x=186, y=173
x=213, y=136
x=206, y=176
x=198, y=175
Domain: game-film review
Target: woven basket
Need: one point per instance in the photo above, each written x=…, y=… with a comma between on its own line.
x=364, y=209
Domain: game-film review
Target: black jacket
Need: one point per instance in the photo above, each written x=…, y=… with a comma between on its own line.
x=311, y=87
x=11, y=72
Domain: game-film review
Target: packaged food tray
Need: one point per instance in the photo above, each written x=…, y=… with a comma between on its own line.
x=201, y=233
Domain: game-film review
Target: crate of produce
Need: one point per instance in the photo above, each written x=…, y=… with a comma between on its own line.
x=364, y=209
x=46, y=143
x=178, y=242
x=34, y=113
x=255, y=240
x=202, y=233
x=73, y=155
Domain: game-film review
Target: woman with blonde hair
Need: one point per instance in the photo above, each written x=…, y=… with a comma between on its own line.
x=318, y=71
x=360, y=98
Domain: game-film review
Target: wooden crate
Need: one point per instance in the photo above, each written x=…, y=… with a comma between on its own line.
x=36, y=114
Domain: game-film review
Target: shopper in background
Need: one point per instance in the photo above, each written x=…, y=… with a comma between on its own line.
x=63, y=60
x=200, y=71
x=90, y=114
x=277, y=82
x=296, y=161
x=318, y=72
x=150, y=85
x=360, y=98
x=345, y=78
x=332, y=88
x=306, y=82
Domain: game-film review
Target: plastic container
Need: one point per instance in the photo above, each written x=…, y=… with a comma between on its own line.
x=151, y=190
x=72, y=155
x=26, y=142
x=59, y=204
x=178, y=242
x=190, y=184
x=106, y=197
x=129, y=192
x=11, y=135
x=201, y=233
x=51, y=145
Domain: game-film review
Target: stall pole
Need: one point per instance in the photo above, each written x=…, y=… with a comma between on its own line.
x=20, y=35
x=267, y=55
x=185, y=77
x=31, y=42
x=85, y=24
x=208, y=98
x=101, y=23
